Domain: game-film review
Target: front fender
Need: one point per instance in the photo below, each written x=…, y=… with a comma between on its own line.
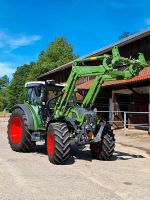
x=30, y=121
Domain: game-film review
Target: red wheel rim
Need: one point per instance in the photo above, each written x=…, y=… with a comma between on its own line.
x=50, y=144
x=16, y=130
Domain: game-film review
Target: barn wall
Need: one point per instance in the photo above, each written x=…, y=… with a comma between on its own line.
x=127, y=100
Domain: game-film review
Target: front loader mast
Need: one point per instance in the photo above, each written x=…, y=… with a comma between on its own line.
x=106, y=71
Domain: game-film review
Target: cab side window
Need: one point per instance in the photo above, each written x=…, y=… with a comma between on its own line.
x=32, y=98
x=28, y=95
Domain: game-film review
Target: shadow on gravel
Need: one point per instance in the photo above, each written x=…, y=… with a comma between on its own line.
x=76, y=153
x=42, y=151
x=84, y=154
x=118, y=155
x=80, y=152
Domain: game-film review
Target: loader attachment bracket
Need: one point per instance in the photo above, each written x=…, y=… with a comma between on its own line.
x=99, y=134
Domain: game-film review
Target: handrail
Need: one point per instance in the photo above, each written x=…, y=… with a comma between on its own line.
x=125, y=122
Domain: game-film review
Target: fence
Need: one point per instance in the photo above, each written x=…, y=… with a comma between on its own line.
x=125, y=120
x=4, y=114
x=111, y=116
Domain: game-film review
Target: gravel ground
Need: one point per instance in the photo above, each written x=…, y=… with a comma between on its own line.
x=30, y=176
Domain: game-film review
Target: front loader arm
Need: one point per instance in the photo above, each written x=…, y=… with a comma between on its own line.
x=133, y=67
x=108, y=70
x=110, y=74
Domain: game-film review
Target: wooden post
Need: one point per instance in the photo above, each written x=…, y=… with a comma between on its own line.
x=110, y=111
x=113, y=108
x=149, y=114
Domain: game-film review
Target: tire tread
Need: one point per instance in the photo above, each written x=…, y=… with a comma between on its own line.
x=62, y=143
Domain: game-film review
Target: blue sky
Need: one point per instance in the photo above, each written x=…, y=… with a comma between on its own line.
x=27, y=27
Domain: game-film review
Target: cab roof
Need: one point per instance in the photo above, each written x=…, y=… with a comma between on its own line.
x=37, y=83
x=34, y=83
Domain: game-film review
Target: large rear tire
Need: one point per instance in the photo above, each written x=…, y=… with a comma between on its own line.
x=19, y=136
x=58, y=143
x=104, y=150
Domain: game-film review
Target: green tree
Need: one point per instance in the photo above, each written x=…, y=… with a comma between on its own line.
x=58, y=53
x=16, y=88
x=4, y=99
x=4, y=81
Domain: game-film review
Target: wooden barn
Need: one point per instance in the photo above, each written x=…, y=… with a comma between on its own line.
x=127, y=95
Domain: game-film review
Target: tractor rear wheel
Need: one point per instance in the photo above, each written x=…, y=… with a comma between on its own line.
x=58, y=143
x=18, y=134
x=104, y=150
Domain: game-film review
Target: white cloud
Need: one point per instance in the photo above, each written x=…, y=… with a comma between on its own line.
x=10, y=42
x=147, y=21
x=23, y=41
x=6, y=69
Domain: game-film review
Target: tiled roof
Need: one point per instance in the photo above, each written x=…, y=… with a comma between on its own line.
x=143, y=75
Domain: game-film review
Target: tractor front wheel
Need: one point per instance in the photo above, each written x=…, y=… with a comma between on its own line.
x=58, y=143
x=104, y=150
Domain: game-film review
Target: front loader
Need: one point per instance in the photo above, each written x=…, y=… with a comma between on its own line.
x=52, y=112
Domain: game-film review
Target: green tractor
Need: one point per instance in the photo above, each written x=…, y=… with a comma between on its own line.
x=53, y=112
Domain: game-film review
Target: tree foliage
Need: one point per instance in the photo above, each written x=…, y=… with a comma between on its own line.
x=4, y=99
x=59, y=52
x=4, y=80
x=16, y=90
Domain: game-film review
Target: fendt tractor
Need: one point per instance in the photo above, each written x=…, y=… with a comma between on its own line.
x=53, y=112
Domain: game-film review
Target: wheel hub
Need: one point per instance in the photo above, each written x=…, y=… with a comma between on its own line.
x=50, y=146
x=16, y=130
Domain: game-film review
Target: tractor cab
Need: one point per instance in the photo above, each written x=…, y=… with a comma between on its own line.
x=42, y=96
x=34, y=92
x=39, y=92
